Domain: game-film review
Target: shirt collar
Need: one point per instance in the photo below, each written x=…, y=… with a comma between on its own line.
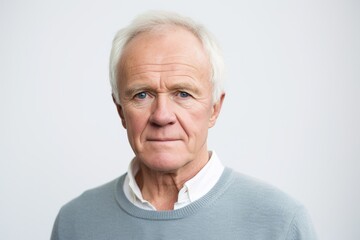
x=133, y=186
x=205, y=179
x=192, y=190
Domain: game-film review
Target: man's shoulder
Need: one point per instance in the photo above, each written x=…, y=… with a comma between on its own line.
x=257, y=207
x=104, y=194
x=262, y=196
x=84, y=213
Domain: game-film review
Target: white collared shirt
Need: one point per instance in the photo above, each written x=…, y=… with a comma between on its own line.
x=193, y=189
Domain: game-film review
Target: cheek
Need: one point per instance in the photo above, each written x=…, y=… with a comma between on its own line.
x=135, y=122
x=195, y=121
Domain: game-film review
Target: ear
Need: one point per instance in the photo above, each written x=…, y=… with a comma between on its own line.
x=120, y=111
x=216, y=110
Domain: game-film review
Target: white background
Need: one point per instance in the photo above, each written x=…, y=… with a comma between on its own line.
x=291, y=115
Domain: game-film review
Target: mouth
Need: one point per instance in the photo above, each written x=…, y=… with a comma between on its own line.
x=162, y=139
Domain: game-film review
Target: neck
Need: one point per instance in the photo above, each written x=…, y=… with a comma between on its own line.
x=161, y=189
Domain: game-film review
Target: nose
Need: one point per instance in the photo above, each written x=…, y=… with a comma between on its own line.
x=162, y=112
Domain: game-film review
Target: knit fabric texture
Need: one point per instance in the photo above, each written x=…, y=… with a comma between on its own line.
x=237, y=207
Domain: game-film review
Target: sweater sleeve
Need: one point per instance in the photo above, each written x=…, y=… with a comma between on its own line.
x=301, y=227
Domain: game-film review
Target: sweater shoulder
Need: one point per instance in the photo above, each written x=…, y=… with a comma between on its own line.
x=263, y=196
x=84, y=213
x=92, y=198
x=264, y=210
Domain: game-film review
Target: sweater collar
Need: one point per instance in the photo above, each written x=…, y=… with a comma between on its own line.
x=193, y=189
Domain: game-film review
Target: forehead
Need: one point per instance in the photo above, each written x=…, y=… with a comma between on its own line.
x=164, y=47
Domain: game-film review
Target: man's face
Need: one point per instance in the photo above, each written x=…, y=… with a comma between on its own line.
x=166, y=99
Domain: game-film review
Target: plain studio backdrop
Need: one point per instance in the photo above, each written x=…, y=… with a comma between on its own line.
x=291, y=114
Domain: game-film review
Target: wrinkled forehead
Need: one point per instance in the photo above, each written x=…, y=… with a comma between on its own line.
x=164, y=42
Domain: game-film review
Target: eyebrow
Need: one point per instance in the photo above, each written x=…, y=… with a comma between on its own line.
x=185, y=86
x=176, y=86
x=131, y=90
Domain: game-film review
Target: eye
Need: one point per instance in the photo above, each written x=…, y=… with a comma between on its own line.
x=183, y=94
x=141, y=95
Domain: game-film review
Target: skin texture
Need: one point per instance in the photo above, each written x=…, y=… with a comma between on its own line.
x=166, y=107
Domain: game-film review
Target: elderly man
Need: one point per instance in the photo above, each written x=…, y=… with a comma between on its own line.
x=166, y=73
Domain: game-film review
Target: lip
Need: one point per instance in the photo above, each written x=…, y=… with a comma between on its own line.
x=162, y=139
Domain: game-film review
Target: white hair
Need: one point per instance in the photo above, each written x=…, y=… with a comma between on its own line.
x=156, y=20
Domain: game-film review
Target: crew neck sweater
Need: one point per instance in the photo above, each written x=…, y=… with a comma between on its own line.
x=192, y=190
x=237, y=207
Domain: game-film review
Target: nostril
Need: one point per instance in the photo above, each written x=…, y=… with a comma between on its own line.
x=162, y=112
x=162, y=118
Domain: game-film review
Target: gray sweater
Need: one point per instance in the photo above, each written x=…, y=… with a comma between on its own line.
x=237, y=207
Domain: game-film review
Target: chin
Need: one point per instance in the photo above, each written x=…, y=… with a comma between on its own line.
x=164, y=162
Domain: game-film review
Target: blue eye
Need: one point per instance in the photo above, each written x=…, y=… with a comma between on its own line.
x=141, y=95
x=184, y=94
